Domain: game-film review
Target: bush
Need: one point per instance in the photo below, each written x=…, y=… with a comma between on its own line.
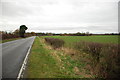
x=105, y=58
x=56, y=43
x=9, y=36
x=90, y=47
x=109, y=61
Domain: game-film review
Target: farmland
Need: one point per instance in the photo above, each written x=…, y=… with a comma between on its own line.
x=75, y=57
x=48, y=63
x=100, y=53
x=70, y=40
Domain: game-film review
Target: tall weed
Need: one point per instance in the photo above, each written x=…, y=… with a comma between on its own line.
x=105, y=58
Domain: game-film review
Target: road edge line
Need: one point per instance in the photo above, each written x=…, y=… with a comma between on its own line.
x=24, y=62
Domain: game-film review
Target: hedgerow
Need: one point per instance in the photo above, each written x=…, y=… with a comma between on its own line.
x=105, y=58
x=55, y=43
x=9, y=36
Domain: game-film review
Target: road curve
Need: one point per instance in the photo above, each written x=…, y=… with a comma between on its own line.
x=13, y=54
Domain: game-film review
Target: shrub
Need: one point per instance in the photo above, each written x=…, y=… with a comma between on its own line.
x=109, y=61
x=95, y=49
x=9, y=36
x=90, y=47
x=56, y=43
x=105, y=58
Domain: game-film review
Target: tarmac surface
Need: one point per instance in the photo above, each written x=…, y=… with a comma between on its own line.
x=13, y=54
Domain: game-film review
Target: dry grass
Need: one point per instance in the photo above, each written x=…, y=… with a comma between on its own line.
x=74, y=54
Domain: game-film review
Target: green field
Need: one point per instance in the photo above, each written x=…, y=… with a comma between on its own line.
x=70, y=40
x=47, y=62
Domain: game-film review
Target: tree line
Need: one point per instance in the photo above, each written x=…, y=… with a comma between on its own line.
x=21, y=32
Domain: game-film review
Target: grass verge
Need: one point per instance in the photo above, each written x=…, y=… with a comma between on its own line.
x=45, y=62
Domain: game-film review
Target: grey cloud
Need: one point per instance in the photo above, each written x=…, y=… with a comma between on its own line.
x=104, y=28
x=88, y=28
x=11, y=9
x=63, y=13
x=95, y=13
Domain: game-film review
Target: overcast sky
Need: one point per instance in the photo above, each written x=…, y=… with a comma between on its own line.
x=60, y=16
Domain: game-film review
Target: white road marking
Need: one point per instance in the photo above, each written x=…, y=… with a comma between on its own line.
x=24, y=63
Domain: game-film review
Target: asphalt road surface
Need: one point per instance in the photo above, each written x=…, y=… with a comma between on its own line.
x=13, y=54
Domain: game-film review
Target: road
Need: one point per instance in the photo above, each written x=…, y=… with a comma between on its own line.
x=13, y=54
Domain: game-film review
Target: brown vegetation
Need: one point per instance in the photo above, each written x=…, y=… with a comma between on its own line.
x=104, y=58
x=10, y=35
x=55, y=43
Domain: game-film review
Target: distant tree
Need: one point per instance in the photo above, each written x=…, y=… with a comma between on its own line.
x=33, y=33
x=78, y=34
x=16, y=32
x=22, y=30
x=65, y=34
